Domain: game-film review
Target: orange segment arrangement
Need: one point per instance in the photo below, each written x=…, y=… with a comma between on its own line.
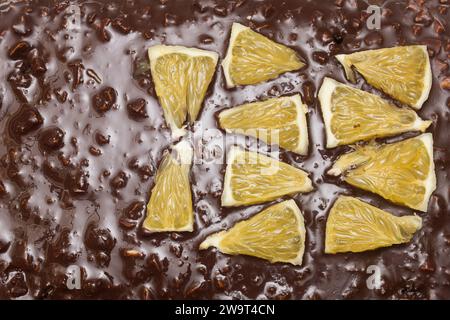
x=225, y=149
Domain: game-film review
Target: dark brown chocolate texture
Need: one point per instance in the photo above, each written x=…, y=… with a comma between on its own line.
x=82, y=134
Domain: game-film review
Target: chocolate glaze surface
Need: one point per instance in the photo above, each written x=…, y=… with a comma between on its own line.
x=82, y=135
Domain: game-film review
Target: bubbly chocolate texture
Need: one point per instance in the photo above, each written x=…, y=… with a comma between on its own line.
x=82, y=135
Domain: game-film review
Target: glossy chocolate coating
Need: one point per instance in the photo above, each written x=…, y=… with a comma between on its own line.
x=82, y=135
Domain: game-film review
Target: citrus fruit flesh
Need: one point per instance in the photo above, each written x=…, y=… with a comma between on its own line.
x=279, y=121
x=404, y=72
x=356, y=226
x=402, y=172
x=253, y=58
x=170, y=205
x=181, y=76
x=276, y=234
x=352, y=115
x=200, y=73
x=251, y=178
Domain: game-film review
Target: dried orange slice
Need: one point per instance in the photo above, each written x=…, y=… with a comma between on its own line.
x=279, y=121
x=253, y=58
x=402, y=172
x=356, y=226
x=170, y=205
x=352, y=115
x=404, y=73
x=276, y=234
x=181, y=76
